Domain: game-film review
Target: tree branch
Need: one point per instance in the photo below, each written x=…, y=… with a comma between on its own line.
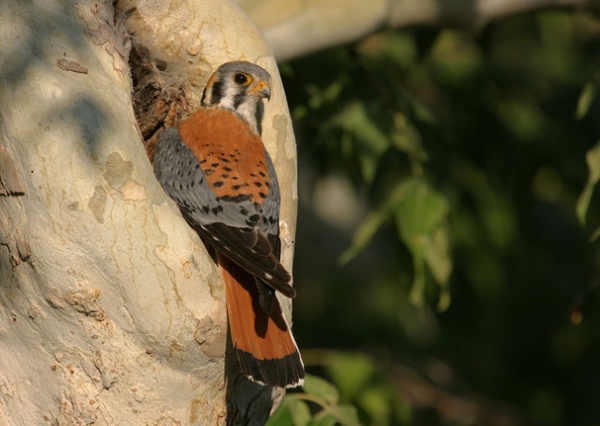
x=296, y=28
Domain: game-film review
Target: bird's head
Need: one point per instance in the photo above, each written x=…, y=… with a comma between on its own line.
x=239, y=86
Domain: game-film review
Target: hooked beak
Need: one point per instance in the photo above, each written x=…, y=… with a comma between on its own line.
x=262, y=89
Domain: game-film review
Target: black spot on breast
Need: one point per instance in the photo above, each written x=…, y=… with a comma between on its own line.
x=258, y=184
x=262, y=195
x=225, y=176
x=218, y=184
x=209, y=172
x=227, y=169
x=223, y=159
x=236, y=187
x=215, y=165
x=262, y=174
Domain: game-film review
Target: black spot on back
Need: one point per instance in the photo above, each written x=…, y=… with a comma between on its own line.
x=236, y=199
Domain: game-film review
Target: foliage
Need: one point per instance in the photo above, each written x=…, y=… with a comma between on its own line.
x=356, y=384
x=472, y=163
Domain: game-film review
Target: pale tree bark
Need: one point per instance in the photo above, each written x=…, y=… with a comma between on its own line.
x=111, y=311
x=297, y=27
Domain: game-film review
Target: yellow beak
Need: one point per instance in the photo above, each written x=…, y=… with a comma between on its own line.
x=262, y=89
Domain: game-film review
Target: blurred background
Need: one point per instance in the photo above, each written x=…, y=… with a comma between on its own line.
x=447, y=260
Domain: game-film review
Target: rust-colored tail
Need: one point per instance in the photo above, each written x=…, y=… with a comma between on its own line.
x=264, y=343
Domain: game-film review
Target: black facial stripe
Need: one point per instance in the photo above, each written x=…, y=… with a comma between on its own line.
x=238, y=99
x=216, y=93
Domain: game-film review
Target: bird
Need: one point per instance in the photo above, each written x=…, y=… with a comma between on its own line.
x=217, y=169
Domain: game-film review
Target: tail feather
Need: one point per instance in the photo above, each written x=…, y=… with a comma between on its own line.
x=264, y=342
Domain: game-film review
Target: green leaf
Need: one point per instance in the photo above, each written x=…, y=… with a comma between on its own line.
x=343, y=415
x=369, y=141
x=421, y=219
x=377, y=402
x=587, y=96
x=419, y=214
x=321, y=388
x=350, y=372
x=439, y=262
x=407, y=139
x=375, y=220
x=292, y=411
x=521, y=115
x=456, y=58
x=323, y=419
x=592, y=159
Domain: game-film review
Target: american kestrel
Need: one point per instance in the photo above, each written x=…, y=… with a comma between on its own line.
x=215, y=166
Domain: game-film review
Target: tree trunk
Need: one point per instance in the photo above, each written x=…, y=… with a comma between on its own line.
x=111, y=310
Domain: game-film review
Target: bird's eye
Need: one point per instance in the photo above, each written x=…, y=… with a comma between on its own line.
x=240, y=78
